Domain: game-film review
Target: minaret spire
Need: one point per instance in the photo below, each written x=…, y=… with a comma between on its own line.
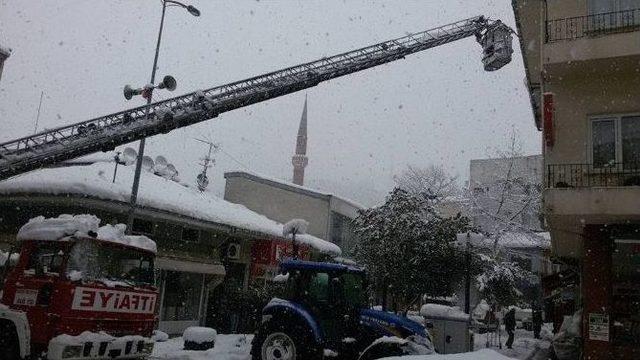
x=300, y=160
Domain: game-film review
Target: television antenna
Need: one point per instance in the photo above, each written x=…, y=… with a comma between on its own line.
x=201, y=179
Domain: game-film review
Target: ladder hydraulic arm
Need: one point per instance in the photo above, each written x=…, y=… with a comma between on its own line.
x=106, y=132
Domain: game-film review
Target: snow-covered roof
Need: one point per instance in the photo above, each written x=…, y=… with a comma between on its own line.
x=60, y=228
x=155, y=192
x=290, y=186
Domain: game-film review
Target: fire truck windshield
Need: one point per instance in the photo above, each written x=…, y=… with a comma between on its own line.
x=101, y=261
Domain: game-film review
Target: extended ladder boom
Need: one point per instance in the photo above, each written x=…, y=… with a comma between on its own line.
x=106, y=132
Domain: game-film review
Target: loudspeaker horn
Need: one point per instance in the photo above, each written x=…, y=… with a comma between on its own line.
x=169, y=83
x=129, y=92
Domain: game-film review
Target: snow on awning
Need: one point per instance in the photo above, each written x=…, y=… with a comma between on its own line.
x=155, y=192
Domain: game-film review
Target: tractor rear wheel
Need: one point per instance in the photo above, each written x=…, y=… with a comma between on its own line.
x=284, y=342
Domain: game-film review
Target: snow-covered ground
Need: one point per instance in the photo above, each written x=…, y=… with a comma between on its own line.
x=228, y=347
x=484, y=354
x=237, y=347
x=523, y=346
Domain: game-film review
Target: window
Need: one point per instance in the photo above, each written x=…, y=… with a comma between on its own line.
x=182, y=293
x=604, y=142
x=142, y=227
x=190, y=235
x=46, y=259
x=354, y=290
x=94, y=260
x=630, y=130
x=615, y=140
x=318, y=288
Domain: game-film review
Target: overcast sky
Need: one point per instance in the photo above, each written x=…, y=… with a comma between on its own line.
x=435, y=107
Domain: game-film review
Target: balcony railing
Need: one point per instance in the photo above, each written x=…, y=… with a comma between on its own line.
x=588, y=175
x=592, y=25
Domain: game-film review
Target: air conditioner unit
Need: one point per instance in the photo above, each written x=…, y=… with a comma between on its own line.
x=233, y=251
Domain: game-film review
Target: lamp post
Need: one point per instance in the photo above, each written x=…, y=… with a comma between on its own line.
x=136, y=178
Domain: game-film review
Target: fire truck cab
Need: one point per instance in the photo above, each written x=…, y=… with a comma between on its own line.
x=77, y=293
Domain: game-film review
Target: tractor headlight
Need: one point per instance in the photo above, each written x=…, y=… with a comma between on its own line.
x=72, y=351
x=428, y=336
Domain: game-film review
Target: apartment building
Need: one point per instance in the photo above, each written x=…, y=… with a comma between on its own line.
x=582, y=61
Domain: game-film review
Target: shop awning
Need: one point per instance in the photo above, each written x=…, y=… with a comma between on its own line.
x=189, y=266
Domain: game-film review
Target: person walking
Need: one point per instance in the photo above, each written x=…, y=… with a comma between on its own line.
x=510, y=326
x=537, y=322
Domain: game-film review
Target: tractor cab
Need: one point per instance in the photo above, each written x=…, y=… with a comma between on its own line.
x=333, y=293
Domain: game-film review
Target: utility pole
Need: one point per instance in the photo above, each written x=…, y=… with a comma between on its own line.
x=467, y=277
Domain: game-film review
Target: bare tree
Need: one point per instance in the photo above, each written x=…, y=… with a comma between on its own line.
x=433, y=182
x=508, y=198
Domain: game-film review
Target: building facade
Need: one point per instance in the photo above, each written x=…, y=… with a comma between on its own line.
x=330, y=217
x=508, y=188
x=582, y=59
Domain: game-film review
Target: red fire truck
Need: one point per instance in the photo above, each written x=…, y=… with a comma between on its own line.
x=74, y=295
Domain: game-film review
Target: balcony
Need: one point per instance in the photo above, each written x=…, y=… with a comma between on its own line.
x=581, y=194
x=588, y=175
x=592, y=25
x=582, y=39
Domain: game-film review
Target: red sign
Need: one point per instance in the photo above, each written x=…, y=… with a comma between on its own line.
x=91, y=299
x=267, y=254
x=548, y=112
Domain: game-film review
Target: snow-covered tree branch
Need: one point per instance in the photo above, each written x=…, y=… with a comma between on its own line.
x=433, y=182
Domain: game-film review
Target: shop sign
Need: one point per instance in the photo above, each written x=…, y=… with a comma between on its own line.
x=90, y=299
x=598, y=327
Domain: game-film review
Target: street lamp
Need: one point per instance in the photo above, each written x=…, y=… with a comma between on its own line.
x=136, y=178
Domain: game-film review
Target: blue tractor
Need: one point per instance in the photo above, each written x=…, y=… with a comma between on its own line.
x=323, y=314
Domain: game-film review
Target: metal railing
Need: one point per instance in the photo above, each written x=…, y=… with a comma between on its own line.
x=588, y=175
x=592, y=25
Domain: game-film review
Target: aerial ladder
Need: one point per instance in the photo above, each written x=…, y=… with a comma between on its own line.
x=104, y=133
